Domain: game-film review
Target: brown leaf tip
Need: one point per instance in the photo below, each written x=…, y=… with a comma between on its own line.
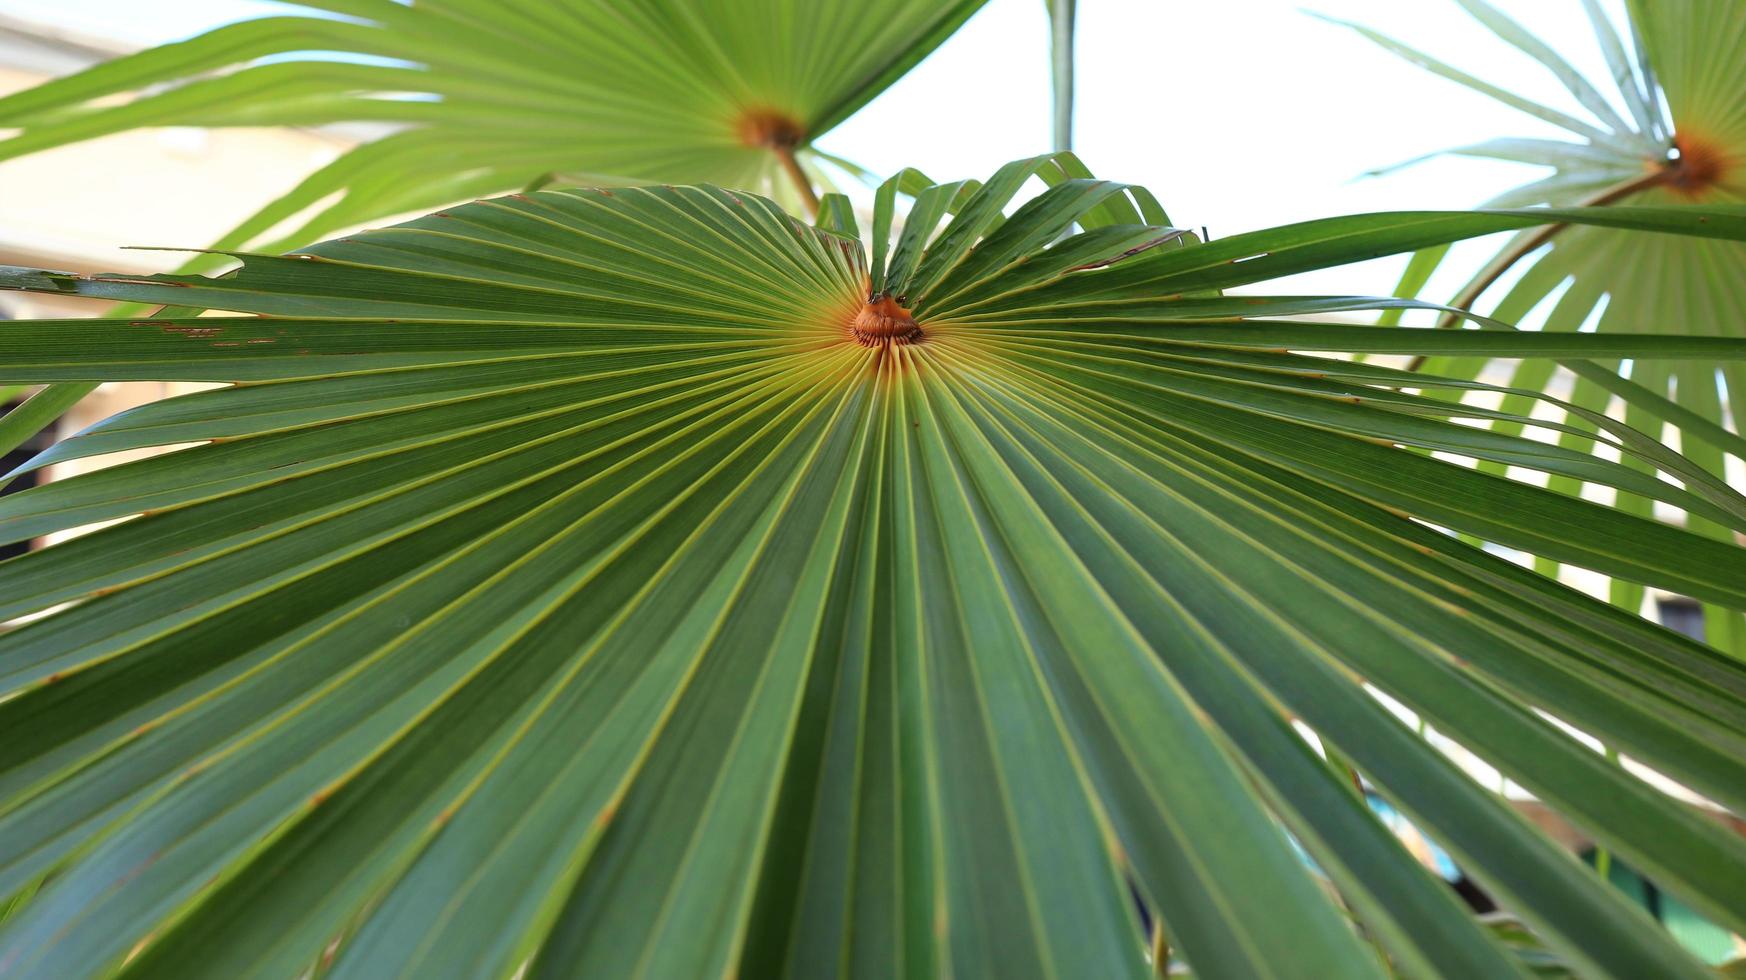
x=881, y=321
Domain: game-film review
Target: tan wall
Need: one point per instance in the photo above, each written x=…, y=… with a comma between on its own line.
x=176, y=187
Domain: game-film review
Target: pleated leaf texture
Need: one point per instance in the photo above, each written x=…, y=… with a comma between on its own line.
x=1667, y=127
x=453, y=99
x=480, y=97
x=641, y=582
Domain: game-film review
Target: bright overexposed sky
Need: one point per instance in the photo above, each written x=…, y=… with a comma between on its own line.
x=1238, y=114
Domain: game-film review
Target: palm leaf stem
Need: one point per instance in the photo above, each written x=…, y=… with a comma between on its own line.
x=1061, y=14
x=785, y=155
x=1529, y=244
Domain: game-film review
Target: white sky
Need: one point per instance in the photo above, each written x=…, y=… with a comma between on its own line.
x=1238, y=114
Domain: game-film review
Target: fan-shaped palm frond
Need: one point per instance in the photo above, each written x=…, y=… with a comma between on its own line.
x=640, y=581
x=1668, y=128
x=488, y=96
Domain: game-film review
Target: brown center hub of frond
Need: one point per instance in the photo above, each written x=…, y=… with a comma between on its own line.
x=1700, y=166
x=769, y=129
x=882, y=322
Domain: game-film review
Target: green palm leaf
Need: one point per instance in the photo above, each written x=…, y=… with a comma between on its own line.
x=478, y=97
x=1692, y=54
x=640, y=581
x=489, y=97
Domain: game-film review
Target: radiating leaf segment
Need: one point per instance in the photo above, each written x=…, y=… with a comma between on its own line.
x=642, y=582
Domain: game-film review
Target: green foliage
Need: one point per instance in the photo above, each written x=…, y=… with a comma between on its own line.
x=561, y=578
x=489, y=96
x=634, y=579
x=476, y=97
x=1680, y=139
